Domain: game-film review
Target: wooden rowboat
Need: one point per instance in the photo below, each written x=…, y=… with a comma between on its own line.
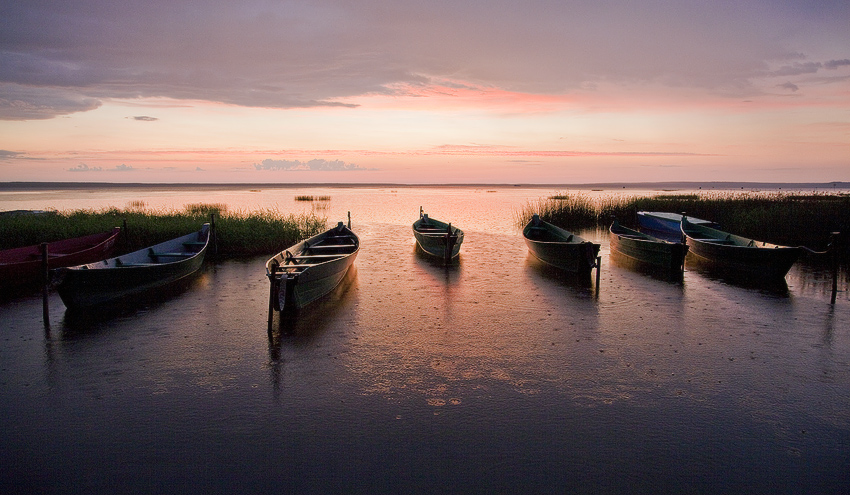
x=302, y=273
x=666, y=225
x=560, y=248
x=22, y=267
x=133, y=274
x=738, y=254
x=646, y=248
x=437, y=238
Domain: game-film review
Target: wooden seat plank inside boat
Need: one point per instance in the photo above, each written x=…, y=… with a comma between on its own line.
x=296, y=260
x=331, y=246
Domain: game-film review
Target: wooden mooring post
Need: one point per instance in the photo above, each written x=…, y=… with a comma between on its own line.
x=598, y=267
x=45, y=280
x=271, y=303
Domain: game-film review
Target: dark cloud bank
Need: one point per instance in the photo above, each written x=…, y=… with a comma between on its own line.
x=58, y=58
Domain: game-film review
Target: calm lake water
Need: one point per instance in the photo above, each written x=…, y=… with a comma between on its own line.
x=493, y=375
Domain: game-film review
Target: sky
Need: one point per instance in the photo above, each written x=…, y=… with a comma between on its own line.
x=443, y=91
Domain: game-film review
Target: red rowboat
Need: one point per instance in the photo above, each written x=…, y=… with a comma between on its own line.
x=21, y=267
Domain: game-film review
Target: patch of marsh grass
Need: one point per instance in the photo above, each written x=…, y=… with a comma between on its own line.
x=239, y=234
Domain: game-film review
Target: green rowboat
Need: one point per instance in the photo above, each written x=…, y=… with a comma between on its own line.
x=303, y=273
x=647, y=249
x=437, y=238
x=560, y=248
x=739, y=254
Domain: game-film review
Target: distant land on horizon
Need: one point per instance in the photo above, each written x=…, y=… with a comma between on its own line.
x=722, y=185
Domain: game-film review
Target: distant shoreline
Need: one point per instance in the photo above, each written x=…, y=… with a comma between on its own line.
x=720, y=185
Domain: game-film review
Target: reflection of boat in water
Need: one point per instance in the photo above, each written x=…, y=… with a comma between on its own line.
x=310, y=269
x=135, y=273
x=322, y=314
x=647, y=249
x=576, y=281
x=76, y=324
x=775, y=286
x=560, y=248
x=436, y=267
x=666, y=225
x=437, y=238
x=22, y=267
x=301, y=332
x=740, y=254
x=631, y=264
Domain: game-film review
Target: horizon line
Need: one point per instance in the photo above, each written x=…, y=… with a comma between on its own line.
x=41, y=185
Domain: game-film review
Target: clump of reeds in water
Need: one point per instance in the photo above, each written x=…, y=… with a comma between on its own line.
x=239, y=234
x=576, y=210
x=312, y=198
x=136, y=204
x=206, y=208
x=777, y=217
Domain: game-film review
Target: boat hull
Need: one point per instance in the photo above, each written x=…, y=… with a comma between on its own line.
x=307, y=271
x=121, y=278
x=560, y=248
x=22, y=267
x=437, y=238
x=318, y=284
x=647, y=249
x=738, y=254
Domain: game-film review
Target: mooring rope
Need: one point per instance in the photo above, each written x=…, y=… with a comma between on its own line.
x=812, y=251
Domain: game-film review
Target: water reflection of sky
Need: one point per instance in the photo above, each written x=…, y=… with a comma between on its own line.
x=493, y=374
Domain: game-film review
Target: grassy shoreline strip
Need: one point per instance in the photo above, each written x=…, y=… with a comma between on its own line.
x=781, y=218
x=238, y=234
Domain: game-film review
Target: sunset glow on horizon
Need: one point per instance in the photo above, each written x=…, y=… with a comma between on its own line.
x=404, y=92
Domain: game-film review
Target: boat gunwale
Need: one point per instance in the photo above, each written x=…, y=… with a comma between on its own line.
x=723, y=238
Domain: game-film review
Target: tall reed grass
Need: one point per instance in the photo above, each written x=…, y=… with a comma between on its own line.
x=778, y=217
x=238, y=234
x=312, y=198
